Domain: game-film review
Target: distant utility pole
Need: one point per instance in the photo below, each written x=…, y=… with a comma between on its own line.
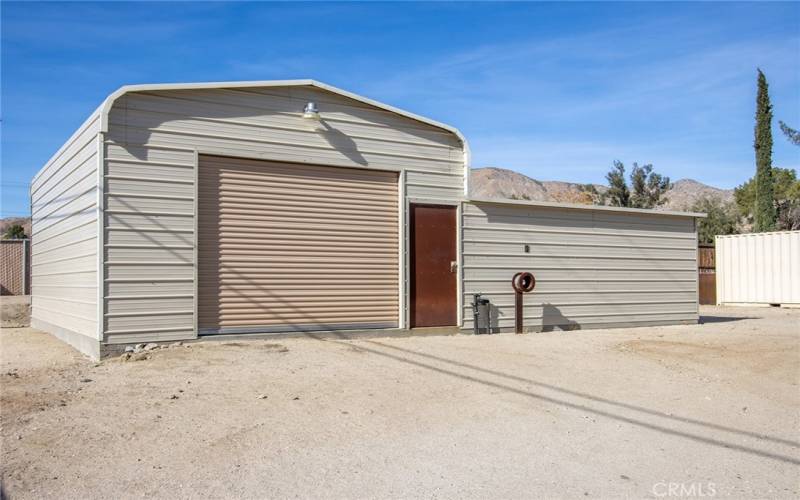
x=764, y=210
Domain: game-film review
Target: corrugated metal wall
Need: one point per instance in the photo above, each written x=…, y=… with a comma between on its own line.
x=149, y=243
x=593, y=267
x=64, y=261
x=150, y=156
x=759, y=268
x=290, y=247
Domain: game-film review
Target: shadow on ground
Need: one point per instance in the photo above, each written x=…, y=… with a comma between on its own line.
x=723, y=319
x=419, y=359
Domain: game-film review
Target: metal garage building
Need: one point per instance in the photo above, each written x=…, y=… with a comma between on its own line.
x=181, y=210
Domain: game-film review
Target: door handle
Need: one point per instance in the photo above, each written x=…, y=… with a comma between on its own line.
x=453, y=266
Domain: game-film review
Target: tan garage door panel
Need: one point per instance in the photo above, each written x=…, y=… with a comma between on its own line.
x=293, y=247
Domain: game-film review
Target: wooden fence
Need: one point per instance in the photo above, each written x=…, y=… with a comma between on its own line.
x=707, y=274
x=15, y=267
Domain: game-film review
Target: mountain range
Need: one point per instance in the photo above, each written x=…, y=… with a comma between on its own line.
x=493, y=182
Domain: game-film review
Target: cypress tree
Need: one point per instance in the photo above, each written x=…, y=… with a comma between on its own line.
x=764, y=210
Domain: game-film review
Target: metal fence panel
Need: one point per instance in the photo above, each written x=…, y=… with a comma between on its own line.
x=758, y=268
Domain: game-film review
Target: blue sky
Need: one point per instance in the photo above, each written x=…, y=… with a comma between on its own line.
x=556, y=91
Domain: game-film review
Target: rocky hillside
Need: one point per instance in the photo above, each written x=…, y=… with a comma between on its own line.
x=493, y=182
x=686, y=192
x=10, y=221
x=502, y=183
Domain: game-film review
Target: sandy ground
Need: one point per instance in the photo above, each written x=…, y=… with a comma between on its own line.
x=15, y=311
x=706, y=410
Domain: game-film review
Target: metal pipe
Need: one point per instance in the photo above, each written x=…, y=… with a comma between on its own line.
x=522, y=282
x=475, y=314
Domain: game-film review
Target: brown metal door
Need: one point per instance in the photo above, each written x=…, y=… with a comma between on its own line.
x=433, y=273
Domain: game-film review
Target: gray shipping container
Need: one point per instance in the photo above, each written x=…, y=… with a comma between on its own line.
x=181, y=210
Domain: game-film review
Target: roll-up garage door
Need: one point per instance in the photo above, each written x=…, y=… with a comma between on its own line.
x=292, y=247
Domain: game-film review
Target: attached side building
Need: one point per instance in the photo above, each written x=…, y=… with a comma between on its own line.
x=595, y=267
x=182, y=210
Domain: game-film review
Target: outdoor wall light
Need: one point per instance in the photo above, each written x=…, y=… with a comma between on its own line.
x=310, y=111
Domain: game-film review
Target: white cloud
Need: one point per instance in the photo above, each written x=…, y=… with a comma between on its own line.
x=566, y=108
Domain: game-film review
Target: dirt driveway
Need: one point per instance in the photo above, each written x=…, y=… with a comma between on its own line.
x=707, y=410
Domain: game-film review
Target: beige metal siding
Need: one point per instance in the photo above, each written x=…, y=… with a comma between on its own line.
x=150, y=165
x=64, y=229
x=592, y=267
x=288, y=247
x=149, y=243
x=268, y=123
x=759, y=268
